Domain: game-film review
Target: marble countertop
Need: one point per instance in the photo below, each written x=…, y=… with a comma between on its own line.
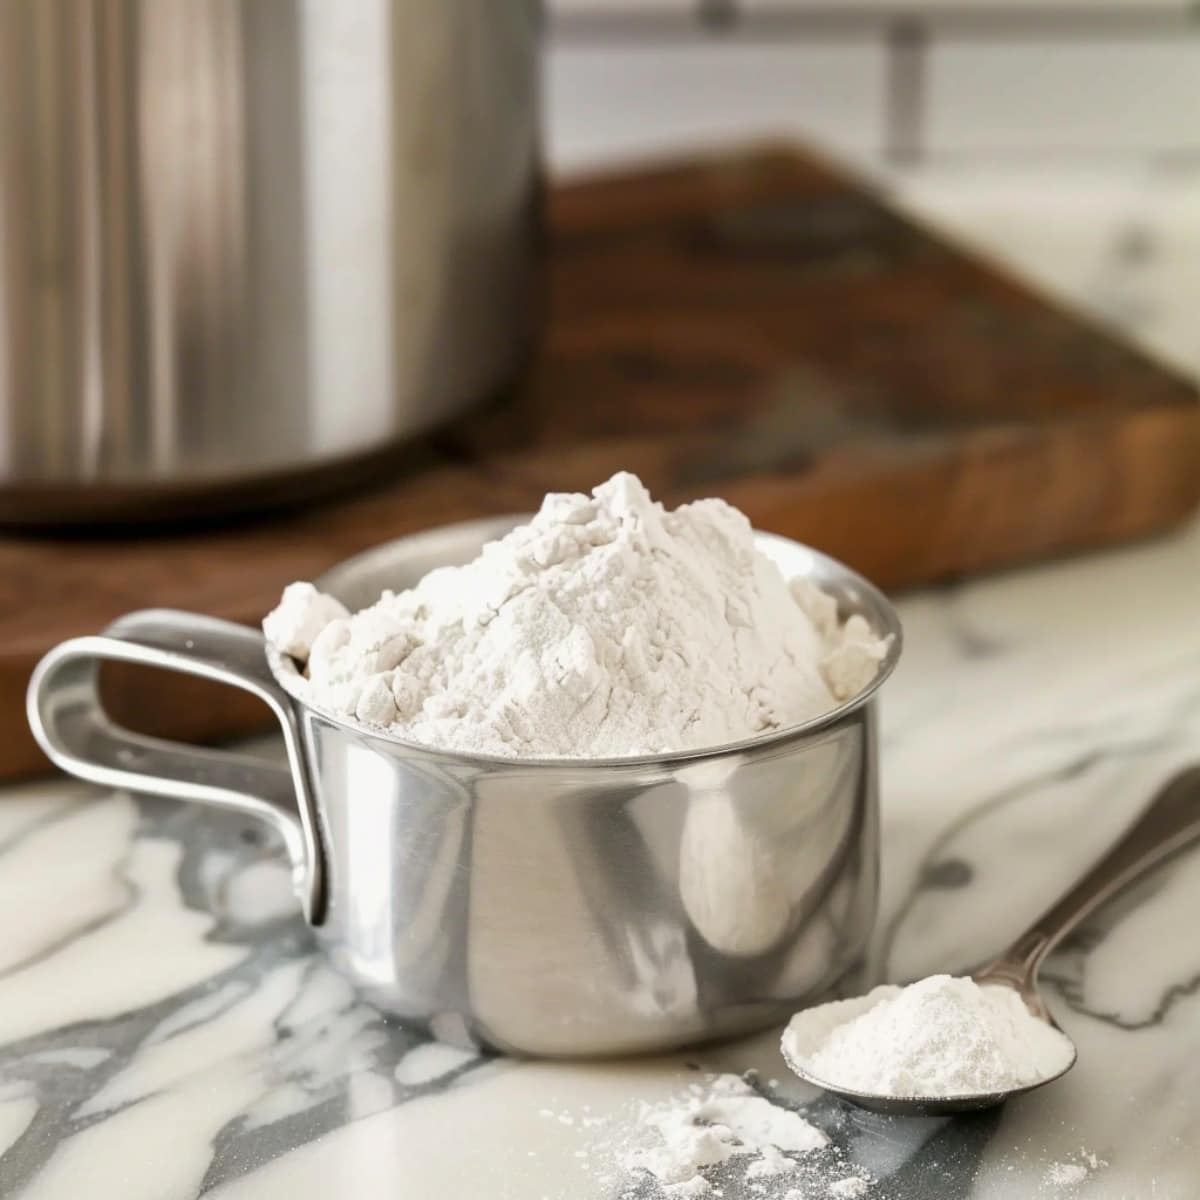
x=167, y=1030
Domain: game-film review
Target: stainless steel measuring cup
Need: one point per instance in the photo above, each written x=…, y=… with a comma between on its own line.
x=549, y=907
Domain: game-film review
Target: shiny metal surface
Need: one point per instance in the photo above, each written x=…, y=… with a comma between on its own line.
x=243, y=237
x=1169, y=823
x=65, y=714
x=547, y=907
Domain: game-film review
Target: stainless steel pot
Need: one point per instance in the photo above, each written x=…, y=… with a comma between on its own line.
x=240, y=239
x=548, y=907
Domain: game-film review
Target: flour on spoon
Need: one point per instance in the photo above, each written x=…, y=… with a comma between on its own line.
x=940, y=1037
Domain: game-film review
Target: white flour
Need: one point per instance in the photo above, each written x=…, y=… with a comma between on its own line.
x=719, y=1120
x=605, y=627
x=302, y=613
x=720, y=1136
x=942, y=1036
x=1067, y=1175
x=850, y=1188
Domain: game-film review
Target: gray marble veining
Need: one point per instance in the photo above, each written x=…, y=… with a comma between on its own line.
x=167, y=1030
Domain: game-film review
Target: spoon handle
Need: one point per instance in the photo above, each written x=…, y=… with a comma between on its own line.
x=1168, y=823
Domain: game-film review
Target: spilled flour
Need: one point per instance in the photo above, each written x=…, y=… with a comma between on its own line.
x=607, y=626
x=717, y=1121
x=1068, y=1175
x=730, y=1137
x=1065, y=1174
x=726, y=1118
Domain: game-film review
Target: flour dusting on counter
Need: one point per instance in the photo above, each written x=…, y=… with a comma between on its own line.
x=725, y=1118
x=718, y=1120
x=607, y=626
x=1069, y=1174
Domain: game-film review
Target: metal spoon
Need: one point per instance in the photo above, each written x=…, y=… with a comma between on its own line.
x=1169, y=823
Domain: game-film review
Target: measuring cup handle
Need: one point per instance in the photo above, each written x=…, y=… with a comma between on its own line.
x=71, y=726
x=1169, y=822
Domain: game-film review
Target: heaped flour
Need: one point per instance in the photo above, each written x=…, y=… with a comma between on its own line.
x=941, y=1036
x=606, y=627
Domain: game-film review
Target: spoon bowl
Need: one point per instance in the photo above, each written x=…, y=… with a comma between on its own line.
x=916, y=1106
x=1169, y=823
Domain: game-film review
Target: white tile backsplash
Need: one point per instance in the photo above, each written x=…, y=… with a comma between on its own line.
x=932, y=9
x=607, y=102
x=1088, y=213
x=1078, y=95
x=589, y=8
x=987, y=78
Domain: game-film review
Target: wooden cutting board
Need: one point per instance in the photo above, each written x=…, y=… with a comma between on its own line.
x=757, y=326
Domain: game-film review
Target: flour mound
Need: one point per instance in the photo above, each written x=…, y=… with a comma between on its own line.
x=605, y=627
x=942, y=1036
x=302, y=613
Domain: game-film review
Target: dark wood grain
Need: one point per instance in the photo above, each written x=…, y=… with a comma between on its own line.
x=756, y=326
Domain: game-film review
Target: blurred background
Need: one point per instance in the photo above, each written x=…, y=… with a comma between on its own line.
x=915, y=283
x=1063, y=138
